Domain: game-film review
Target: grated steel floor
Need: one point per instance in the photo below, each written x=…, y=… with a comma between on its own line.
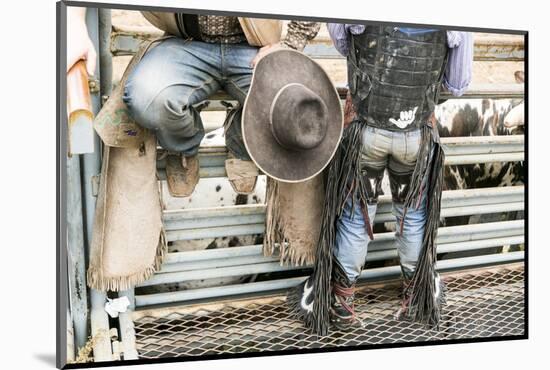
x=480, y=303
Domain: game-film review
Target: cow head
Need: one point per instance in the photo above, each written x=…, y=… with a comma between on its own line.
x=503, y=116
x=514, y=121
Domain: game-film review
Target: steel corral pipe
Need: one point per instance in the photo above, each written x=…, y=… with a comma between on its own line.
x=214, y=292
x=127, y=330
x=200, y=255
x=453, y=247
x=268, y=264
x=487, y=157
x=388, y=251
x=76, y=255
x=70, y=338
x=370, y=274
x=498, y=193
x=105, y=56
x=92, y=167
x=483, y=158
x=193, y=213
x=174, y=277
x=259, y=228
x=381, y=241
x=464, y=141
x=126, y=41
x=252, y=214
x=214, y=232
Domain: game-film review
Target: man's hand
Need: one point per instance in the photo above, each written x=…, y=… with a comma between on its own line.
x=79, y=45
x=264, y=50
x=349, y=111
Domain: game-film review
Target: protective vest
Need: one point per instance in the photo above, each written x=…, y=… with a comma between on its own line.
x=395, y=74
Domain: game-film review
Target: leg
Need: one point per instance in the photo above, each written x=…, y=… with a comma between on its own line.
x=410, y=223
x=164, y=86
x=351, y=234
x=409, y=240
x=237, y=73
x=237, y=76
x=352, y=237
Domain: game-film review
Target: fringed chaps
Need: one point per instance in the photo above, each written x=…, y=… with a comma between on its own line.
x=292, y=220
x=128, y=240
x=426, y=290
x=310, y=301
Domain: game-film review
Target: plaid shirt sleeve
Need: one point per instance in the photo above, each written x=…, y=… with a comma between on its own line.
x=299, y=33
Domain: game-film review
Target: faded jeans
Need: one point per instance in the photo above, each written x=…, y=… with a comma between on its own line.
x=177, y=74
x=397, y=152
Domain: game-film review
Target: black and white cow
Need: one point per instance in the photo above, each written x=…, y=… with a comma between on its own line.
x=482, y=117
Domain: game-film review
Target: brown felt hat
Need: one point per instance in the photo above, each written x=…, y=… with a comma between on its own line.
x=292, y=119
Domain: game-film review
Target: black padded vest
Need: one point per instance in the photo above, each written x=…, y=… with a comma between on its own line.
x=394, y=76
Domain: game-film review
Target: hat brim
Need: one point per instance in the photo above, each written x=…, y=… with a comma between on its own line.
x=272, y=72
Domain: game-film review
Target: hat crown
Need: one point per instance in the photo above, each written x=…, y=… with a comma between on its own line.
x=298, y=117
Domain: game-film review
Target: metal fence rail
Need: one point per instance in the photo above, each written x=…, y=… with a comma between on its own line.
x=243, y=255
x=372, y=274
x=151, y=337
x=198, y=259
x=458, y=150
x=194, y=224
x=249, y=266
x=475, y=91
x=126, y=41
x=249, y=219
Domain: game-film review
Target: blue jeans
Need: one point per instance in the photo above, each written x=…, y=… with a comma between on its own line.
x=177, y=74
x=397, y=152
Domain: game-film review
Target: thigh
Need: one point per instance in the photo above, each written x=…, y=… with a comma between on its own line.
x=237, y=77
x=402, y=161
x=404, y=151
x=237, y=71
x=186, y=70
x=374, y=159
x=376, y=148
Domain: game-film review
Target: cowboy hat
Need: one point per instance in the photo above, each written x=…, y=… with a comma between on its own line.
x=292, y=118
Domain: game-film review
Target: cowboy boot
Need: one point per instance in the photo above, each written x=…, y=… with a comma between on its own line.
x=242, y=175
x=402, y=312
x=342, y=311
x=182, y=174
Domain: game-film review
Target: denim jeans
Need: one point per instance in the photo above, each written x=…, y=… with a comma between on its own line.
x=397, y=152
x=177, y=74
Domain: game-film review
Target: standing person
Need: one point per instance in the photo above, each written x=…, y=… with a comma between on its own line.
x=394, y=77
x=208, y=53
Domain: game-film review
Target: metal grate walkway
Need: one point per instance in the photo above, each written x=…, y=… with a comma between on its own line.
x=480, y=303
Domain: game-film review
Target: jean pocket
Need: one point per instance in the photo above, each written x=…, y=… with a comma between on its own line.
x=412, y=145
x=369, y=137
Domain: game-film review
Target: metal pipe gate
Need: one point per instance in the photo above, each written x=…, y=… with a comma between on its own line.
x=202, y=223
